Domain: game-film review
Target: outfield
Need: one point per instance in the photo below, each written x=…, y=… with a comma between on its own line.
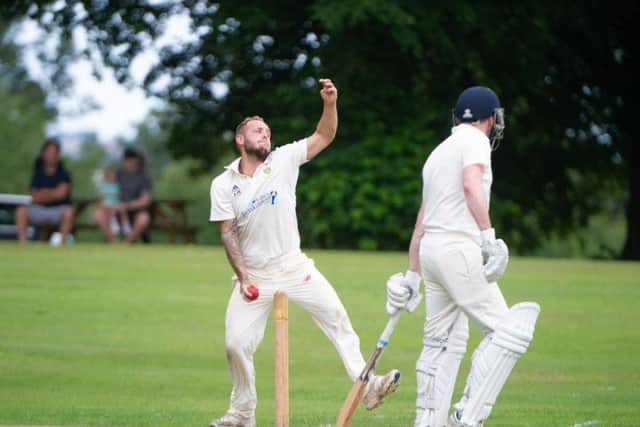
x=92, y=335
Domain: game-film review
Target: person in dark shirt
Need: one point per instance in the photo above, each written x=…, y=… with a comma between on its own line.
x=50, y=196
x=135, y=196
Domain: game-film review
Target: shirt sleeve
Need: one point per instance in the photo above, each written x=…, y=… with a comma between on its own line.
x=146, y=184
x=221, y=207
x=35, y=181
x=296, y=152
x=476, y=152
x=65, y=176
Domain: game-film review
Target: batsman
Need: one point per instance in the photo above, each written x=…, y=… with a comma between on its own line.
x=455, y=250
x=254, y=203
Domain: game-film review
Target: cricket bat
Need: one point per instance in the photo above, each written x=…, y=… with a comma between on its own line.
x=357, y=390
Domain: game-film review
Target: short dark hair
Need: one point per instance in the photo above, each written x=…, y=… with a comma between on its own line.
x=51, y=141
x=131, y=153
x=39, y=162
x=246, y=120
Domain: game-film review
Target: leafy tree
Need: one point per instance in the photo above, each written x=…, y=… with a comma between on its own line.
x=565, y=75
x=86, y=168
x=22, y=120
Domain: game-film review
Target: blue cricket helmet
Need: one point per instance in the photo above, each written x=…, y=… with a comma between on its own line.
x=478, y=103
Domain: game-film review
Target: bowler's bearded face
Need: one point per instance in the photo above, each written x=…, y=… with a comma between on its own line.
x=257, y=139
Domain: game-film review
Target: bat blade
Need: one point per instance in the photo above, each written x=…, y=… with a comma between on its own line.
x=351, y=403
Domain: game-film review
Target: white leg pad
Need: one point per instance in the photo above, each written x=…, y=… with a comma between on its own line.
x=436, y=372
x=493, y=361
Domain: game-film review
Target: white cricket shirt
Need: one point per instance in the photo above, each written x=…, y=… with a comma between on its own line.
x=445, y=207
x=263, y=205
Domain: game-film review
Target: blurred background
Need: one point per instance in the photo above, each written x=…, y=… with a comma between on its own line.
x=173, y=78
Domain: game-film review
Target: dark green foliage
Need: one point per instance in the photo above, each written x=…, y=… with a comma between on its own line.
x=22, y=119
x=365, y=195
x=565, y=75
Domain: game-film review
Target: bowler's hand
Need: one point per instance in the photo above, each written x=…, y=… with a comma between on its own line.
x=249, y=291
x=329, y=93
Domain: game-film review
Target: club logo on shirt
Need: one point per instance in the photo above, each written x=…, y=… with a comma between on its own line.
x=264, y=199
x=235, y=190
x=267, y=170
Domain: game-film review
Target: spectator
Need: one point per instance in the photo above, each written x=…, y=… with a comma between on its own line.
x=50, y=196
x=135, y=195
x=110, y=198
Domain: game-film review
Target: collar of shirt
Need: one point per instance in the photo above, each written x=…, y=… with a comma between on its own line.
x=466, y=127
x=235, y=165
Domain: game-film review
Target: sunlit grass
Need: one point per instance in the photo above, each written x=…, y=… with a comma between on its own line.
x=134, y=336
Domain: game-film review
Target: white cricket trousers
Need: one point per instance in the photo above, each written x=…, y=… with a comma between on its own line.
x=455, y=285
x=245, y=322
x=455, y=290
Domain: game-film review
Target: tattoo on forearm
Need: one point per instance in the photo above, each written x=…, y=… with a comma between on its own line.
x=234, y=254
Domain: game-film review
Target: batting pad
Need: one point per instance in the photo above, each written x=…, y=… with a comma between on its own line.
x=493, y=361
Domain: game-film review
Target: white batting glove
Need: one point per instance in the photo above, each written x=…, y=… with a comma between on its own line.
x=403, y=292
x=412, y=283
x=397, y=294
x=495, y=255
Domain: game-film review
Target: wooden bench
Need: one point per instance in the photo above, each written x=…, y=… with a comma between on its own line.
x=167, y=215
x=8, y=205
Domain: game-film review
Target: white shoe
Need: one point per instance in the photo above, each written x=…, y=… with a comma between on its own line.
x=379, y=387
x=69, y=239
x=454, y=421
x=126, y=228
x=56, y=239
x=115, y=226
x=231, y=419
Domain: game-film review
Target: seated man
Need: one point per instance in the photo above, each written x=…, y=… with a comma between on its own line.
x=50, y=196
x=135, y=199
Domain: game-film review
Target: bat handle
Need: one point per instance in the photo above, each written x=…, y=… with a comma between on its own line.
x=391, y=324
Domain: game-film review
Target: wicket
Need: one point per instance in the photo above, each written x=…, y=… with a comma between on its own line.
x=281, y=326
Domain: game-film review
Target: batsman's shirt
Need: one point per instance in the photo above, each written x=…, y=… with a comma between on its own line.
x=263, y=206
x=445, y=206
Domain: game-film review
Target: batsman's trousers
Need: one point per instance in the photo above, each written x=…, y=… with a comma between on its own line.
x=453, y=272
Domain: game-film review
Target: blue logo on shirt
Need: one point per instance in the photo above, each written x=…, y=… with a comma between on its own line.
x=265, y=198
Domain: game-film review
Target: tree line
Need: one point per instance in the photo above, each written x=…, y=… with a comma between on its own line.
x=565, y=76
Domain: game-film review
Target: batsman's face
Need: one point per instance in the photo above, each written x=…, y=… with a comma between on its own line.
x=256, y=139
x=490, y=124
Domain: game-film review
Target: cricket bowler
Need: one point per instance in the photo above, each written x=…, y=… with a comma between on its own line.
x=454, y=249
x=254, y=204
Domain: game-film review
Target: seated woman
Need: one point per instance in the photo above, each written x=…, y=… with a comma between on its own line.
x=50, y=196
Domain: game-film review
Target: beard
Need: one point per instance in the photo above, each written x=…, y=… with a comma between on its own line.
x=260, y=152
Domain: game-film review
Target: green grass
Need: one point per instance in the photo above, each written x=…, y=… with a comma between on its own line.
x=134, y=336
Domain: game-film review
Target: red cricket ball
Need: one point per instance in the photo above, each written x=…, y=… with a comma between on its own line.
x=253, y=292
